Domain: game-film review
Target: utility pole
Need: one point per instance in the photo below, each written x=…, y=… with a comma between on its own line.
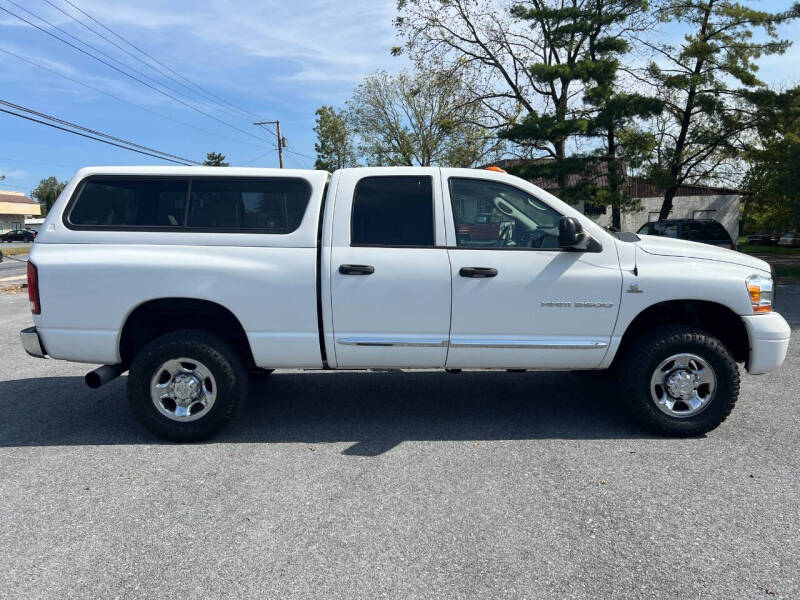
x=281, y=140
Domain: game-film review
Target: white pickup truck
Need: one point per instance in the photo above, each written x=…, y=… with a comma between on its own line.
x=195, y=278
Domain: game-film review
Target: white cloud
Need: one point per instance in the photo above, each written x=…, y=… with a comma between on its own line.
x=320, y=40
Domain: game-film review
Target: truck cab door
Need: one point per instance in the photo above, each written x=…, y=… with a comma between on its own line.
x=388, y=270
x=519, y=301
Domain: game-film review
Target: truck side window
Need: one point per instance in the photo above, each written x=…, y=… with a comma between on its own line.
x=393, y=211
x=490, y=214
x=130, y=202
x=264, y=205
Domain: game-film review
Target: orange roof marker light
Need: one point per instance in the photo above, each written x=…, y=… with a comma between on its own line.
x=497, y=170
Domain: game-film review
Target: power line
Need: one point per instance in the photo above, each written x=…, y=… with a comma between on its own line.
x=252, y=160
x=92, y=134
x=301, y=154
x=137, y=58
x=95, y=48
x=118, y=62
x=132, y=45
x=110, y=95
x=3, y=110
x=111, y=137
x=281, y=140
x=160, y=91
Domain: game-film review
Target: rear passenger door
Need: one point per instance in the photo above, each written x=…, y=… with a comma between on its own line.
x=389, y=270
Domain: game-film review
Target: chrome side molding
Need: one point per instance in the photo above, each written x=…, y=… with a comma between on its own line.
x=531, y=344
x=405, y=342
x=474, y=343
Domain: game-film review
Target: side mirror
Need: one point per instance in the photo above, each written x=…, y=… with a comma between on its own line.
x=571, y=235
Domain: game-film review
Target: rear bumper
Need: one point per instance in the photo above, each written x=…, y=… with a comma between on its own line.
x=32, y=343
x=769, y=341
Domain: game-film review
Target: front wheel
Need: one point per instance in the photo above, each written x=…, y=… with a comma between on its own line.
x=186, y=385
x=678, y=380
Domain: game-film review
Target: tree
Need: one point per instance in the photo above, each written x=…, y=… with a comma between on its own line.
x=578, y=43
x=334, y=145
x=47, y=192
x=773, y=178
x=215, y=159
x=527, y=65
x=422, y=118
x=613, y=113
x=479, y=42
x=705, y=119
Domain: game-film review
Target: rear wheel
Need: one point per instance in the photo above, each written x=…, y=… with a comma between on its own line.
x=186, y=385
x=678, y=380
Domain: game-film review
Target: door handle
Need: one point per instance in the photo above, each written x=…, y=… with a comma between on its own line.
x=356, y=269
x=477, y=272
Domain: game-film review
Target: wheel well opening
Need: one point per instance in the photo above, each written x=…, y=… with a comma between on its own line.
x=713, y=318
x=157, y=317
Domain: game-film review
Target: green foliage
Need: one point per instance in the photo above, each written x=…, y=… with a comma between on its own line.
x=588, y=37
x=215, y=159
x=334, y=145
x=774, y=177
x=47, y=192
x=702, y=83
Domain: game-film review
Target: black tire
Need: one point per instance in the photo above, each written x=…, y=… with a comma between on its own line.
x=216, y=355
x=640, y=361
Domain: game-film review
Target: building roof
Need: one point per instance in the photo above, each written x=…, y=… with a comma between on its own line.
x=16, y=203
x=636, y=186
x=15, y=197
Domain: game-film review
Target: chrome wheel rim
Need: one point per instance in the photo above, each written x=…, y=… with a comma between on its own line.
x=683, y=385
x=183, y=389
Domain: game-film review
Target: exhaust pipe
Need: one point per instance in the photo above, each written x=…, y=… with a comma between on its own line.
x=102, y=375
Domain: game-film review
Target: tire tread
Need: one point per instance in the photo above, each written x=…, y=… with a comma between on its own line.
x=638, y=360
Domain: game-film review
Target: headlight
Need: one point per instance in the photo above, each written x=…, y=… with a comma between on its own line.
x=761, y=293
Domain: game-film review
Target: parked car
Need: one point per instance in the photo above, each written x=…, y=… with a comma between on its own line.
x=705, y=231
x=188, y=278
x=18, y=235
x=763, y=239
x=789, y=239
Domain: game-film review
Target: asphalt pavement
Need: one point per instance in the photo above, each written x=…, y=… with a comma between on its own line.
x=12, y=268
x=394, y=485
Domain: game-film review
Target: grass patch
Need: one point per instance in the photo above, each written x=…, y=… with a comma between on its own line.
x=13, y=251
x=757, y=249
x=787, y=271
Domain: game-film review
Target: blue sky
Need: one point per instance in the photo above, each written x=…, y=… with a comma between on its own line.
x=275, y=59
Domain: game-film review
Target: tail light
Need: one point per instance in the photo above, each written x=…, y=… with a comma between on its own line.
x=33, y=289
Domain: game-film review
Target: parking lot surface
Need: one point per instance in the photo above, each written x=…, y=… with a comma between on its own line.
x=394, y=485
x=12, y=269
